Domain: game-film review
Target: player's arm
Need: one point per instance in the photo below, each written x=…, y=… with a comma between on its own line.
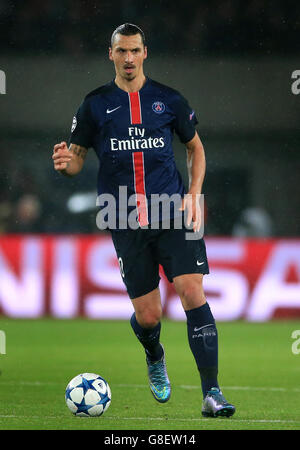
x=196, y=166
x=184, y=125
x=68, y=161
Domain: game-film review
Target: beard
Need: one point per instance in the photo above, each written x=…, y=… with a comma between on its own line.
x=129, y=76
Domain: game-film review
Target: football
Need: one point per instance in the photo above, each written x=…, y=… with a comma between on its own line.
x=88, y=395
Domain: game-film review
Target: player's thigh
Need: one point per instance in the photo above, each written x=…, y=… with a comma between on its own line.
x=148, y=308
x=180, y=255
x=138, y=266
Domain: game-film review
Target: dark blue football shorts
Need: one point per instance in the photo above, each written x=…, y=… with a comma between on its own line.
x=141, y=251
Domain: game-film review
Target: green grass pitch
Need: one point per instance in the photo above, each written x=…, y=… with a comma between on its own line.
x=258, y=373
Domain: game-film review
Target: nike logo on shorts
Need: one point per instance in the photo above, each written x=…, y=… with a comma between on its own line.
x=199, y=263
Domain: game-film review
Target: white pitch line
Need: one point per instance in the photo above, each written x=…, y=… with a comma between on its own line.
x=146, y=386
x=246, y=388
x=160, y=419
x=200, y=419
x=233, y=388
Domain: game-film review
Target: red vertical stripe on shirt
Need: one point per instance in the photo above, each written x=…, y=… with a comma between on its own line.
x=138, y=162
x=135, y=108
x=139, y=185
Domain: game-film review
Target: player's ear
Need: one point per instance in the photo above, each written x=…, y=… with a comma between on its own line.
x=110, y=54
x=145, y=52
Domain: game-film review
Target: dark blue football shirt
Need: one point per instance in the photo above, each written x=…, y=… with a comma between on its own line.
x=132, y=135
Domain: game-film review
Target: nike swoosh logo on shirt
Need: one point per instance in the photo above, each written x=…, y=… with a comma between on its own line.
x=108, y=111
x=199, y=263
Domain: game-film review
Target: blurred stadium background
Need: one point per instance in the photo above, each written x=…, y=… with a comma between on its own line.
x=234, y=62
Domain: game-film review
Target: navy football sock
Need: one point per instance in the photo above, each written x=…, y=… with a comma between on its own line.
x=149, y=338
x=203, y=340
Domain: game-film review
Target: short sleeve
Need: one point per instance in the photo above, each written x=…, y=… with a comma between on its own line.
x=83, y=126
x=185, y=119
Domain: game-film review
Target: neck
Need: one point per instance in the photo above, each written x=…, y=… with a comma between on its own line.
x=130, y=85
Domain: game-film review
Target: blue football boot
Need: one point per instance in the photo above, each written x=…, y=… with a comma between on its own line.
x=158, y=379
x=215, y=405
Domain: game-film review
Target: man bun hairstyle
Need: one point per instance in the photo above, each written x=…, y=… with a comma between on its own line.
x=128, y=29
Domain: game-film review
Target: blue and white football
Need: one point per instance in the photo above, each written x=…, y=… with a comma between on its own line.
x=88, y=395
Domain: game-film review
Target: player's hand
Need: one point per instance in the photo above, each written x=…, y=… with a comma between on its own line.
x=191, y=203
x=61, y=156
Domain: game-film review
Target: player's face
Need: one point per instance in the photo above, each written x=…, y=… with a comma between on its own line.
x=128, y=54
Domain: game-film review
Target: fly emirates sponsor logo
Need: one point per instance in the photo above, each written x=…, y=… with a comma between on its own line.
x=136, y=141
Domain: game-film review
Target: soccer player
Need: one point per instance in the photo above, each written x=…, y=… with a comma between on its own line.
x=130, y=123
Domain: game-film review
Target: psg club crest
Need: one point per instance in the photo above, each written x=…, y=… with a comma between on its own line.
x=158, y=107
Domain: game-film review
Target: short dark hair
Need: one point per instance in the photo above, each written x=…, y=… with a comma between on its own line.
x=128, y=29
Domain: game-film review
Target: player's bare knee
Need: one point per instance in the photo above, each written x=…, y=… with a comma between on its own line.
x=149, y=319
x=192, y=295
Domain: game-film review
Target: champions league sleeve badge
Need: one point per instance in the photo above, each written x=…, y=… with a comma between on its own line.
x=74, y=123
